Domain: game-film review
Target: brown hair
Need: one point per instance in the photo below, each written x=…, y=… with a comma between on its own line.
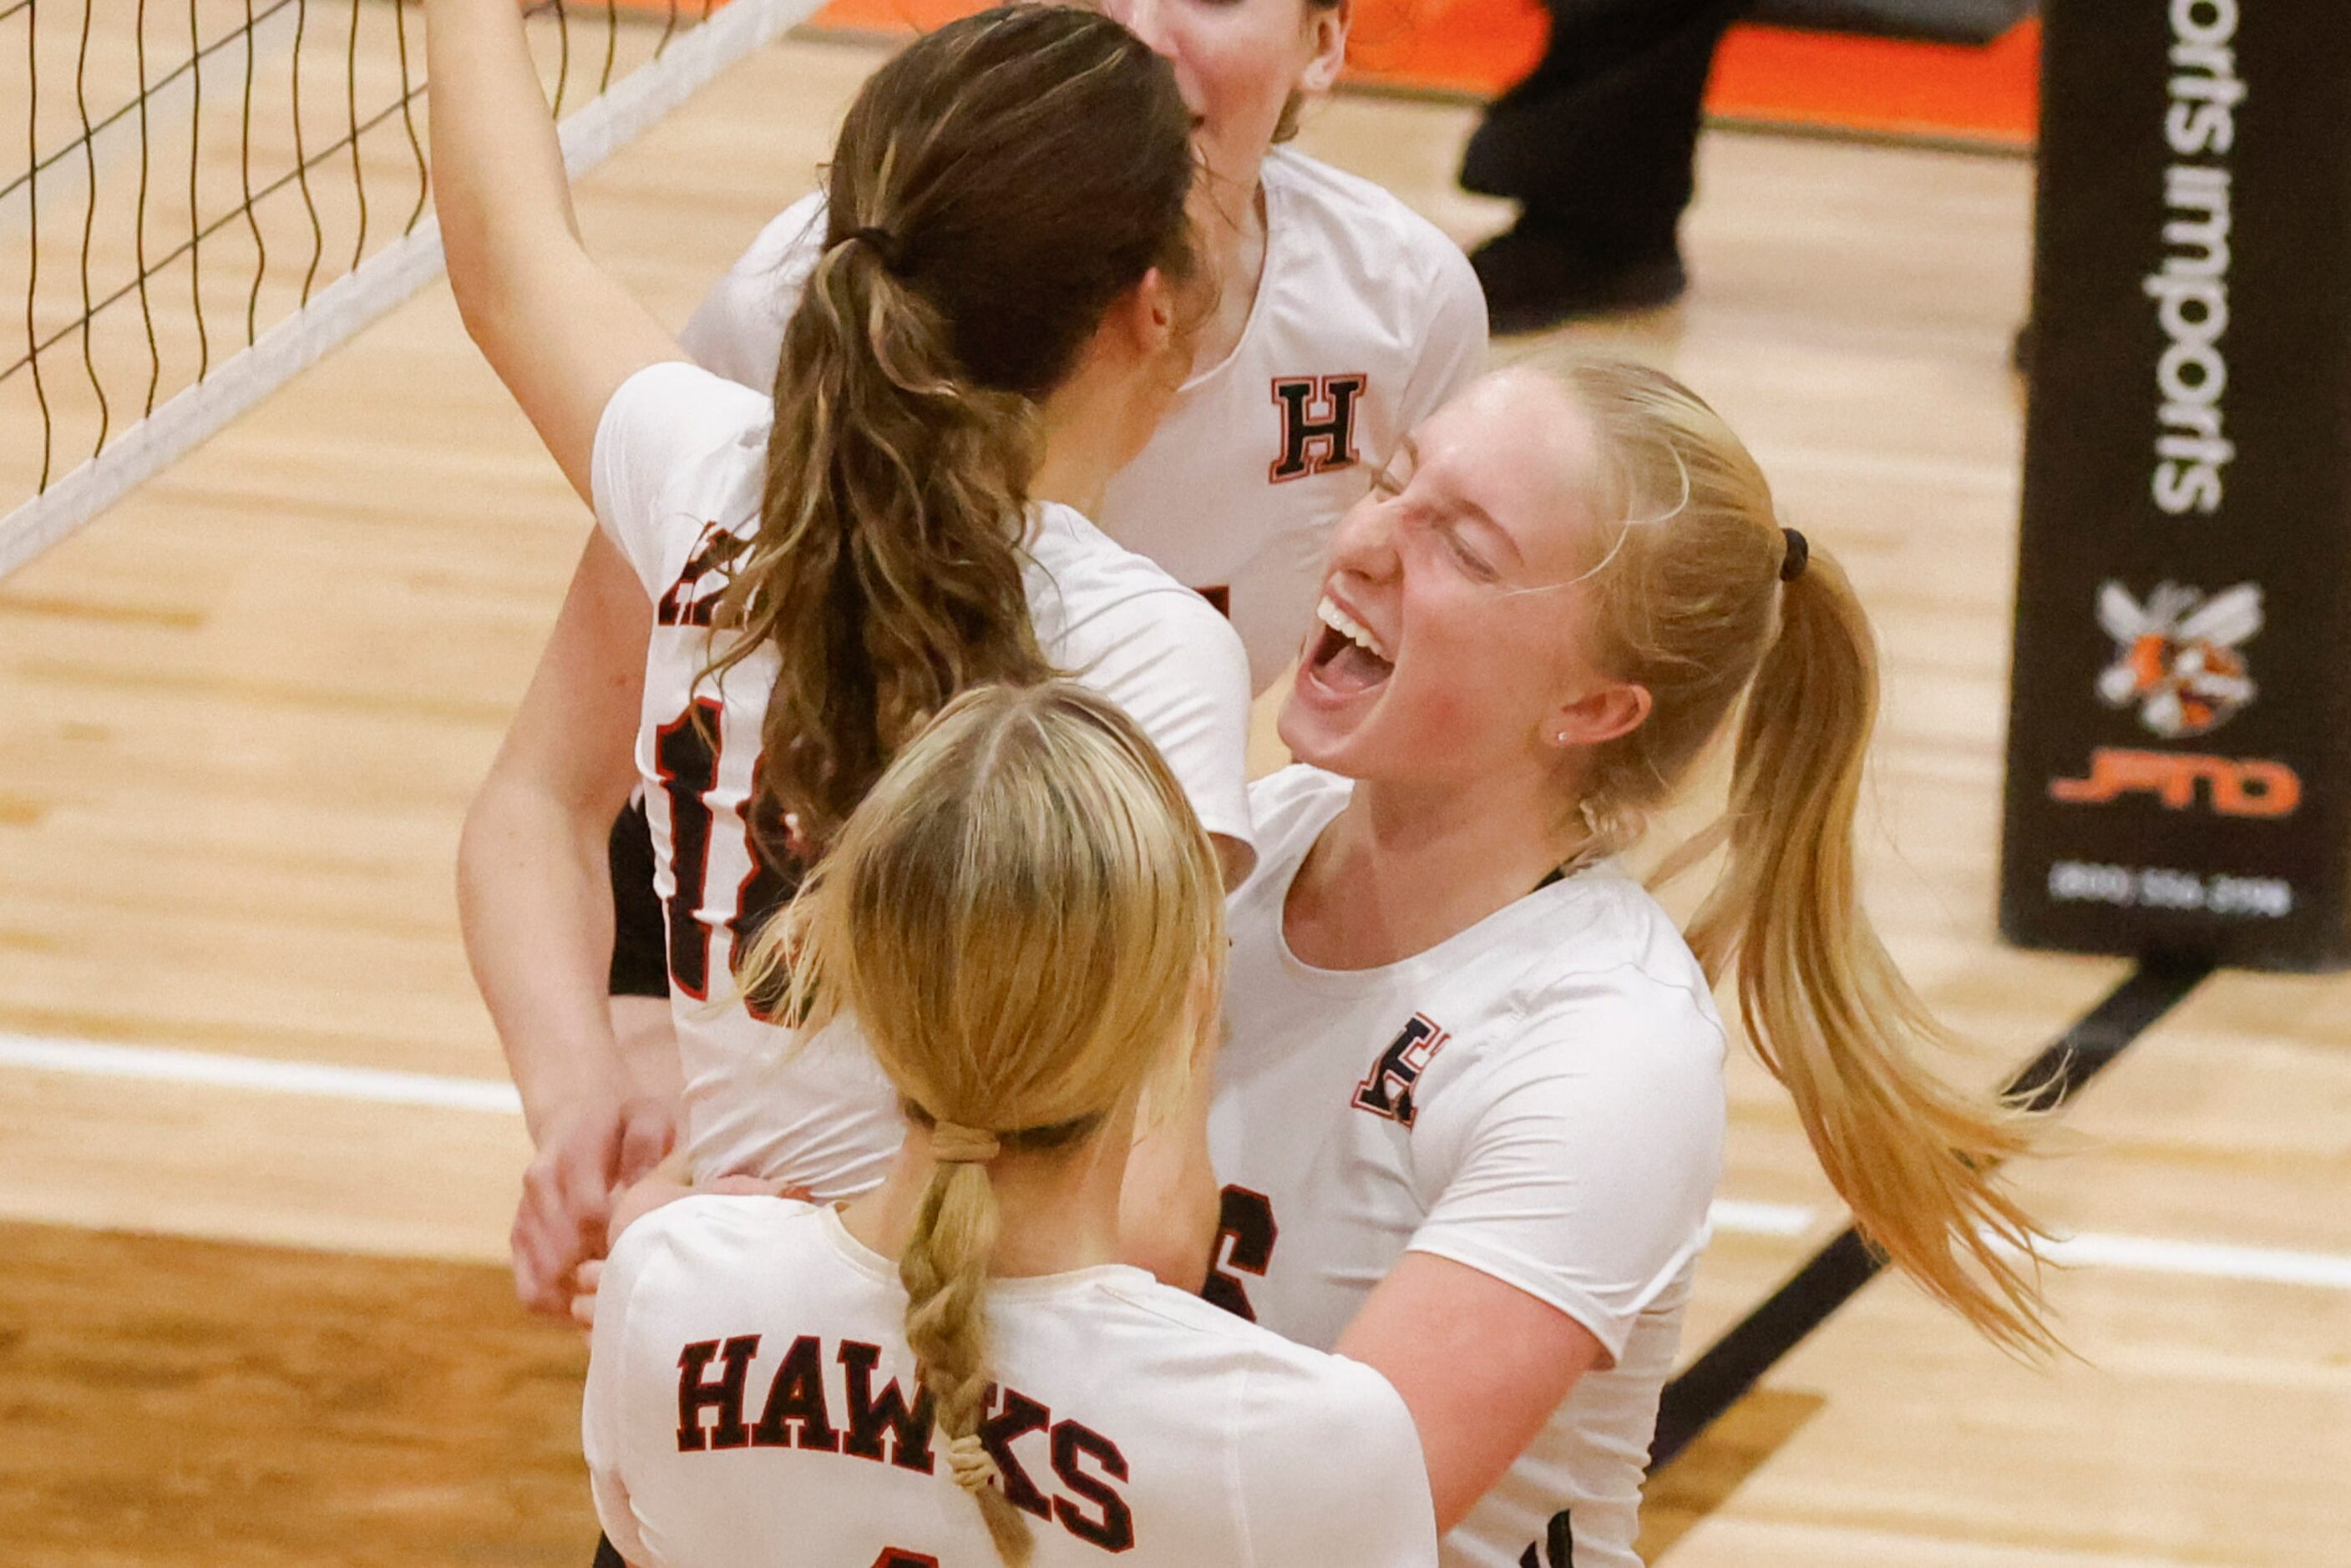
x=1692, y=607
x=1027, y=833
x=996, y=188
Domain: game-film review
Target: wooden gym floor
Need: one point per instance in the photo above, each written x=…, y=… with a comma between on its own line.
x=256, y=1314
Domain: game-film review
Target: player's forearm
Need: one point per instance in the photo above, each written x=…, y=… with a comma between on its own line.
x=498, y=182
x=535, y=901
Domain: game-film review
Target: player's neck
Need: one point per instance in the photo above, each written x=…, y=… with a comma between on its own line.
x=1057, y=1211
x=1094, y=422
x=1233, y=235
x=1402, y=868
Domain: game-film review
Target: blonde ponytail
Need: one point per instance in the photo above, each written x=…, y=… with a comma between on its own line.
x=1822, y=1001
x=1693, y=606
x=1026, y=832
x=945, y=1270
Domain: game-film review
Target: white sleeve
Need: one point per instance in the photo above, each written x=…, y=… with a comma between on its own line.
x=603, y=1423
x=1331, y=1471
x=1181, y=673
x=1453, y=342
x=663, y=424
x=737, y=330
x=1579, y=1166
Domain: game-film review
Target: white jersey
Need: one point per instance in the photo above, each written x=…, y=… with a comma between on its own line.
x=752, y=1402
x=679, y=465
x=1540, y=1098
x=1367, y=319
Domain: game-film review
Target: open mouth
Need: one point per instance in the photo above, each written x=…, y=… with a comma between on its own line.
x=1347, y=658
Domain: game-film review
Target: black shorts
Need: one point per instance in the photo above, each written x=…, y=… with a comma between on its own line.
x=640, y=936
x=605, y=1556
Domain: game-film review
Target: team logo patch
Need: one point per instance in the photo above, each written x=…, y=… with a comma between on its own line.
x=1318, y=423
x=1388, y=1089
x=2177, y=657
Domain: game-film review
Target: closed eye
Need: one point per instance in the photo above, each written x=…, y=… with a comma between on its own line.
x=1477, y=566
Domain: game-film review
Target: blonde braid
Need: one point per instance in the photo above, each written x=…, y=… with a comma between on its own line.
x=945, y=1270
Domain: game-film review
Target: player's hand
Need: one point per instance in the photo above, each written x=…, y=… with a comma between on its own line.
x=590, y=1150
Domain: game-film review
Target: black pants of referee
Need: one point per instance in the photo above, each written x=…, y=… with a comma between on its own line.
x=1598, y=142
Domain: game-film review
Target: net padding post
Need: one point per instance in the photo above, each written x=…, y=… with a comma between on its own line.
x=380, y=284
x=2179, y=735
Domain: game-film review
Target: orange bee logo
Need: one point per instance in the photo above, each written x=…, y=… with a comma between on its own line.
x=2177, y=658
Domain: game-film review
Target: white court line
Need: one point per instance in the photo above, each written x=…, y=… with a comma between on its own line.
x=1761, y=1219
x=2138, y=1254
x=315, y=1078
x=2211, y=1260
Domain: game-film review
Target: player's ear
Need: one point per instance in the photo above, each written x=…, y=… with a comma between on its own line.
x=1605, y=712
x=1151, y=312
x=1328, y=26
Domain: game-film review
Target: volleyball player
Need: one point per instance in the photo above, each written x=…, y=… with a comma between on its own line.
x=993, y=329
x=1342, y=319
x=957, y=1368
x=1470, y=1109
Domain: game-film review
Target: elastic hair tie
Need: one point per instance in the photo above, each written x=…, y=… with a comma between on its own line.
x=882, y=243
x=952, y=1143
x=1792, y=564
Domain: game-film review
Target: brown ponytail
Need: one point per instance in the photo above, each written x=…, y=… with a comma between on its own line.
x=1692, y=607
x=996, y=188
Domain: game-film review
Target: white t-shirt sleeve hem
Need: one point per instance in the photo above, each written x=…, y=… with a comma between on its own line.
x=660, y=425
x=1611, y=1328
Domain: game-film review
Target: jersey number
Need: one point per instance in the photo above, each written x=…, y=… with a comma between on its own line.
x=1245, y=1237
x=686, y=760
x=1559, y=1538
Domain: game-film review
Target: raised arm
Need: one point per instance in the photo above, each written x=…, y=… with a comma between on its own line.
x=561, y=332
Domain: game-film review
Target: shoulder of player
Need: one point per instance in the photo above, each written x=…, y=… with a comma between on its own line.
x=1289, y=807
x=1094, y=575
x=1272, y=1364
x=1342, y=210
x=699, y=420
x=1600, y=944
x=696, y=1246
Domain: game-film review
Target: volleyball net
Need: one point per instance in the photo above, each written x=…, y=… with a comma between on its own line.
x=198, y=198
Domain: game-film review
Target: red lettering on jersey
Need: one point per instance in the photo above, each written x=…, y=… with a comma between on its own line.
x=688, y=603
x=1113, y=1528
x=884, y=1427
x=1318, y=424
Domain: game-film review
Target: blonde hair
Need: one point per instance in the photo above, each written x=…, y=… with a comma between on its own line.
x=1021, y=915
x=1691, y=606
